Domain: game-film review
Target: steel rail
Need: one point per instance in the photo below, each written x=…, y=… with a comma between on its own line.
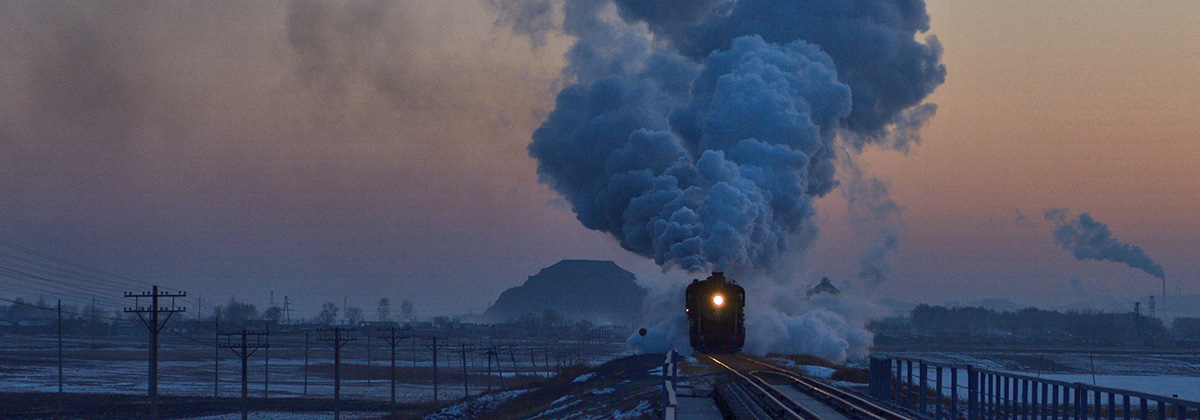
x=783, y=409
x=840, y=398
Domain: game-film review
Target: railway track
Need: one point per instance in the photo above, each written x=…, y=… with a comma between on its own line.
x=765, y=391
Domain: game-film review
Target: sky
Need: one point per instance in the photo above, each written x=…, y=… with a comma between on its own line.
x=379, y=149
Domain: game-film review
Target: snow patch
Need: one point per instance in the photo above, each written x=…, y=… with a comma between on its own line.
x=556, y=409
x=584, y=377
x=821, y=372
x=475, y=407
x=604, y=391
x=642, y=409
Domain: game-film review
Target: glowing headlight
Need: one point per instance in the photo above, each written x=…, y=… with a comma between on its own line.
x=718, y=300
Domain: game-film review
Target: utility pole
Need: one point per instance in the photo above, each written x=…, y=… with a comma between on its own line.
x=434, y=347
x=244, y=350
x=217, y=356
x=267, y=355
x=306, y=361
x=491, y=353
x=463, y=349
x=60, y=357
x=155, y=327
x=512, y=355
x=369, y=360
x=533, y=362
x=392, y=340
x=337, y=340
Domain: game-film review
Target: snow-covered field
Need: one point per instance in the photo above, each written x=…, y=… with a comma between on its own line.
x=186, y=367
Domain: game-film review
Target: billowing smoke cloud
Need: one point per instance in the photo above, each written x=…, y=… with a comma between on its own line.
x=727, y=192
x=825, y=326
x=873, y=266
x=1089, y=239
x=872, y=43
x=705, y=152
x=698, y=133
x=873, y=213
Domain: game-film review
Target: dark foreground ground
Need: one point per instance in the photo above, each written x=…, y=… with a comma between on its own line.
x=626, y=388
x=30, y=405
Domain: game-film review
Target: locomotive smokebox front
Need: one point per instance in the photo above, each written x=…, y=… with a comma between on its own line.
x=715, y=311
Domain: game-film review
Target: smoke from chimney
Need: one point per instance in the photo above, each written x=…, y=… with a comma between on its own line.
x=1089, y=239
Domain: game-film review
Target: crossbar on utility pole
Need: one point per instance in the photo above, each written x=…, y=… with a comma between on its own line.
x=244, y=349
x=337, y=340
x=392, y=339
x=155, y=327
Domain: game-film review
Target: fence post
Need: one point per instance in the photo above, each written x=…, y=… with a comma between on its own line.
x=922, y=376
x=954, y=394
x=937, y=393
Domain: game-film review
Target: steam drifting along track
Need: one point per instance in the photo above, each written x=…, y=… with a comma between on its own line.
x=779, y=393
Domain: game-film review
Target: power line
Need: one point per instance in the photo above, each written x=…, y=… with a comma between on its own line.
x=44, y=265
x=33, y=280
x=72, y=275
x=115, y=277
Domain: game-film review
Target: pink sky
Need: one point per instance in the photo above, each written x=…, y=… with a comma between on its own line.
x=192, y=144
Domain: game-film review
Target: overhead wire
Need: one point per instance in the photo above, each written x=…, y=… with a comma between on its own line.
x=53, y=275
x=50, y=267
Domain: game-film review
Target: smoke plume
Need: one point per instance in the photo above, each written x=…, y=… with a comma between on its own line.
x=1089, y=239
x=873, y=213
x=704, y=148
x=699, y=133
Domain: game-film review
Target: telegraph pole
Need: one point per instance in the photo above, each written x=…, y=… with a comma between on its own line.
x=491, y=353
x=392, y=339
x=217, y=356
x=267, y=356
x=369, y=361
x=337, y=340
x=463, y=349
x=60, y=357
x=512, y=356
x=155, y=327
x=306, y=362
x=434, y=347
x=244, y=350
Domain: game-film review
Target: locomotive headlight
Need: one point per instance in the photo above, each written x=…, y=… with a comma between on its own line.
x=718, y=300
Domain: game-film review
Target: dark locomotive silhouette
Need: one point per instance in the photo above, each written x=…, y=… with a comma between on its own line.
x=716, y=320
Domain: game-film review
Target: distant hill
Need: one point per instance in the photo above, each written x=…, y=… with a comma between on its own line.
x=598, y=291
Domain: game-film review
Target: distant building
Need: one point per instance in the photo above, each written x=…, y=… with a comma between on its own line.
x=824, y=287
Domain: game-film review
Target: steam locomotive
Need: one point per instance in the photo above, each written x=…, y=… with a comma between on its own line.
x=716, y=320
